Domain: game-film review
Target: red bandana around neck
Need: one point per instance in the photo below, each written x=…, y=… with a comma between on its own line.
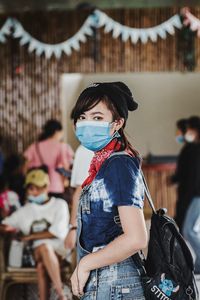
x=99, y=158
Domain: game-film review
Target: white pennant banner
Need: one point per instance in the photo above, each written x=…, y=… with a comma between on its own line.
x=5, y=30
x=96, y=20
x=136, y=34
x=67, y=46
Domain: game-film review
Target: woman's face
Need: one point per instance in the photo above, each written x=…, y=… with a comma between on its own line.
x=101, y=113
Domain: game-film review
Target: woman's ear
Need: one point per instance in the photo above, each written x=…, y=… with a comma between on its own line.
x=119, y=123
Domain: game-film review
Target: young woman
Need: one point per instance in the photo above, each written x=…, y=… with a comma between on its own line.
x=111, y=226
x=50, y=151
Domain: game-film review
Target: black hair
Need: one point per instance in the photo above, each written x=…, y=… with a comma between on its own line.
x=194, y=123
x=117, y=97
x=182, y=125
x=49, y=129
x=3, y=183
x=13, y=163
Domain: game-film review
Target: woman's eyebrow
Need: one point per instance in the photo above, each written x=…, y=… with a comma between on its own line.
x=97, y=112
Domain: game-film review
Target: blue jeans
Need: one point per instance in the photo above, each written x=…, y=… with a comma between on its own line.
x=120, y=281
x=191, y=229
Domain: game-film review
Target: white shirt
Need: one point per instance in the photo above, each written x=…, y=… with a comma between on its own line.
x=52, y=216
x=81, y=166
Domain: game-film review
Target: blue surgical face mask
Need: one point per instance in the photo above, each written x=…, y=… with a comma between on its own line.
x=94, y=135
x=180, y=139
x=40, y=199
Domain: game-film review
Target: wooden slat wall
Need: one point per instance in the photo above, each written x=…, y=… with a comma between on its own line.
x=163, y=194
x=28, y=98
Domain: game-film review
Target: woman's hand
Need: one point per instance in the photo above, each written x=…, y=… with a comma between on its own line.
x=79, y=279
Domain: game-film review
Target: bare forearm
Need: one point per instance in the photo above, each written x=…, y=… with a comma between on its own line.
x=39, y=236
x=121, y=248
x=6, y=228
x=75, y=203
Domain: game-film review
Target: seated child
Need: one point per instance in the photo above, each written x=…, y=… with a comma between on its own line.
x=44, y=221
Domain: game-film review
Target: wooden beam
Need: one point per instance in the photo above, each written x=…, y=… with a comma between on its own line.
x=42, y=5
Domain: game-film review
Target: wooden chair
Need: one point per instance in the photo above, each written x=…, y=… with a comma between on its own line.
x=10, y=276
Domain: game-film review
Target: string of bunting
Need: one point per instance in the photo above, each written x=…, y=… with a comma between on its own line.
x=97, y=19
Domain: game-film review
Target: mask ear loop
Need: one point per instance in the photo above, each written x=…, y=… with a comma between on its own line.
x=116, y=134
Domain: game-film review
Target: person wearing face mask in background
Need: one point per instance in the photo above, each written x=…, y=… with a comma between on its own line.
x=44, y=221
x=181, y=126
x=191, y=224
x=188, y=170
x=49, y=151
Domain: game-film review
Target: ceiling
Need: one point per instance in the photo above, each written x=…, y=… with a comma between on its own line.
x=45, y=5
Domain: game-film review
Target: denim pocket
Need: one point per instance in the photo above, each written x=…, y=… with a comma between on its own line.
x=89, y=296
x=127, y=292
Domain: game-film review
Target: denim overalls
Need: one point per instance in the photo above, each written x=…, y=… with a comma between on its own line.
x=120, y=281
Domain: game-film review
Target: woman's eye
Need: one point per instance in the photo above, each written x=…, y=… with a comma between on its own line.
x=81, y=118
x=98, y=118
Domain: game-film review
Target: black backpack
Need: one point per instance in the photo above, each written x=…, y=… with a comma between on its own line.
x=169, y=263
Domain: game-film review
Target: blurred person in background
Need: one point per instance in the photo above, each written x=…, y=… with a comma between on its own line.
x=191, y=186
x=14, y=170
x=82, y=160
x=51, y=152
x=188, y=171
x=43, y=220
x=181, y=126
x=1, y=155
x=9, y=200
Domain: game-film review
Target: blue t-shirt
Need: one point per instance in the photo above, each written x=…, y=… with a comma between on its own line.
x=118, y=183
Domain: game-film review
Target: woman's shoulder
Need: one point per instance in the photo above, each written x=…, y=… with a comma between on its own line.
x=29, y=150
x=121, y=159
x=121, y=165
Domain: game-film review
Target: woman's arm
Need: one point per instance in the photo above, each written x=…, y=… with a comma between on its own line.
x=131, y=241
x=6, y=228
x=66, y=156
x=75, y=203
x=38, y=236
x=70, y=240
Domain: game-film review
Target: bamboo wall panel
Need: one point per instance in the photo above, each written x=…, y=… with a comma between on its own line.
x=163, y=194
x=29, y=85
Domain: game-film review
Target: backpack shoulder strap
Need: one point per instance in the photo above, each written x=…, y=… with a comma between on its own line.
x=39, y=153
x=148, y=195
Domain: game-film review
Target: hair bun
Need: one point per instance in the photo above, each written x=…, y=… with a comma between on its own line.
x=131, y=103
